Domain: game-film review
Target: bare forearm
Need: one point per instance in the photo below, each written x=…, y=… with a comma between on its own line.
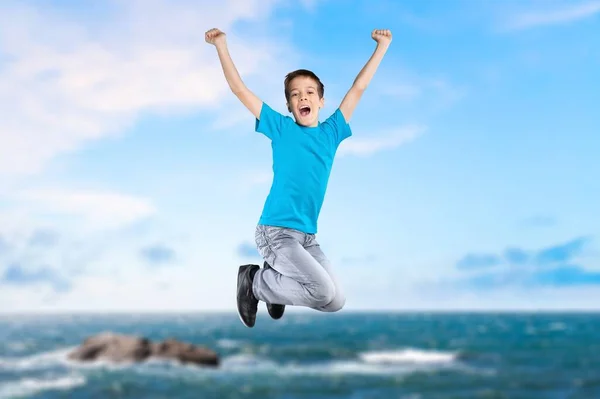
x=368, y=71
x=231, y=73
x=254, y=104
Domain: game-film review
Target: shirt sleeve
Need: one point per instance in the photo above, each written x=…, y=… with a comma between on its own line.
x=271, y=123
x=340, y=129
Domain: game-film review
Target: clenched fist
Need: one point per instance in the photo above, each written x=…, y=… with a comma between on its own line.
x=382, y=36
x=214, y=36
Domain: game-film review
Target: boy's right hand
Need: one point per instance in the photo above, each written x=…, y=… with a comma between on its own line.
x=214, y=36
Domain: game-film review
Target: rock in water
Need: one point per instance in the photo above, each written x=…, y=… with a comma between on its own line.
x=124, y=348
x=184, y=352
x=113, y=347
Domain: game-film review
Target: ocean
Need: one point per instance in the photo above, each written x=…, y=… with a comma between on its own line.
x=355, y=355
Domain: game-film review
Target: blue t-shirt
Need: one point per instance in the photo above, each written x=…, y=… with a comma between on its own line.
x=302, y=161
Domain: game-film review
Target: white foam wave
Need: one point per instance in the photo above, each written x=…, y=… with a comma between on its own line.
x=19, y=346
x=35, y=362
x=369, y=363
x=346, y=367
x=390, y=362
x=336, y=368
x=229, y=343
x=31, y=386
x=241, y=362
x=253, y=364
x=408, y=355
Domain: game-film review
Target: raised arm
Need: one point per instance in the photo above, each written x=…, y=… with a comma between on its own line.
x=237, y=86
x=350, y=101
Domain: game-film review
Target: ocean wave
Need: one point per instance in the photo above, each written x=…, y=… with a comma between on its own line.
x=409, y=355
x=248, y=362
x=19, y=346
x=35, y=362
x=358, y=366
x=227, y=343
x=59, y=358
x=31, y=386
x=386, y=362
x=403, y=361
x=557, y=326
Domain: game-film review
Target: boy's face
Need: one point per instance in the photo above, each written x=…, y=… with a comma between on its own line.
x=304, y=102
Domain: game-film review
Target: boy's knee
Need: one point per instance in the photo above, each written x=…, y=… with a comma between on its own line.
x=336, y=303
x=323, y=294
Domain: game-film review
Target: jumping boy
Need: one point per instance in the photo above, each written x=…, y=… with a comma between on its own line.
x=295, y=272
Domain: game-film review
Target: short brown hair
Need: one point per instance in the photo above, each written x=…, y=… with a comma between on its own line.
x=302, y=72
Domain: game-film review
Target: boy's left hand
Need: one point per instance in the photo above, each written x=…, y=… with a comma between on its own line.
x=382, y=36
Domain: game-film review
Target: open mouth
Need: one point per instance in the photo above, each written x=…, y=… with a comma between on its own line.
x=304, y=110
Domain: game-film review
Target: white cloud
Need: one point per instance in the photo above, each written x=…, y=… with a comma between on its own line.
x=419, y=92
x=237, y=117
x=569, y=13
x=98, y=210
x=387, y=141
x=64, y=82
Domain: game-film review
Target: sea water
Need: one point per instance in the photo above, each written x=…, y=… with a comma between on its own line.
x=314, y=355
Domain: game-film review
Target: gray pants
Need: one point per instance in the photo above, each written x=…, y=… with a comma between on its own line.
x=301, y=275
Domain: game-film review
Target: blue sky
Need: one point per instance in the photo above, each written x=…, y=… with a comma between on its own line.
x=132, y=179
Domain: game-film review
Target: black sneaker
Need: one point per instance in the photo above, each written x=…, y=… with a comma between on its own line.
x=247, y=304
x=275, y=311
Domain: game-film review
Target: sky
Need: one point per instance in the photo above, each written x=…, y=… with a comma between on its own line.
x=131, y=178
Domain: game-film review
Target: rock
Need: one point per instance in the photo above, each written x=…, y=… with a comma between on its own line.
x=124, y=348
x=113, y=347
x=184, y=352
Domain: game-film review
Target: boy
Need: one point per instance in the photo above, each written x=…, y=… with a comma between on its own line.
x=295, y=272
